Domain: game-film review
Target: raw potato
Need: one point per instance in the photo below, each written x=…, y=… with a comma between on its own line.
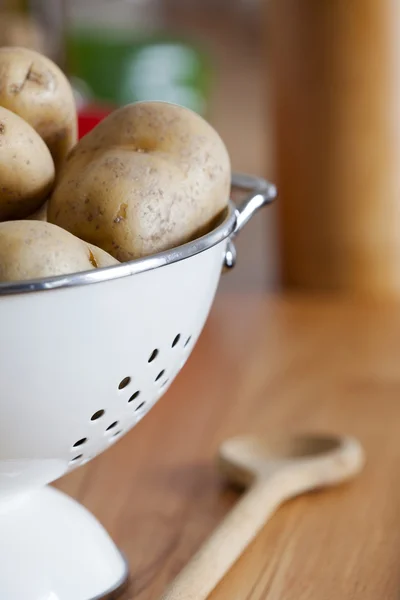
x=33, y=249
x=26, y=168
x=33, y=87
x=149, y=177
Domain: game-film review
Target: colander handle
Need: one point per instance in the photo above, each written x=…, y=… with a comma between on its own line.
x=261, y=193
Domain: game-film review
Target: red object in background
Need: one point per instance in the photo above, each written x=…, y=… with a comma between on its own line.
x=89, y=116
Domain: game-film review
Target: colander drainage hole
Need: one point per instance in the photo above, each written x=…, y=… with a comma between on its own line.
x=112, y=426
x=117, y=433
x=97, y=415
x=176, y=340
x=187, y=341
x=140, y=406
x=164, y=383
x=134, y=396
x=80, y=442
x=77, y=457
x=124, y=382
x=153, y=355
x=161, y=373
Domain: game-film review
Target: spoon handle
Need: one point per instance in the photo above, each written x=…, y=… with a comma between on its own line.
x=218, y=554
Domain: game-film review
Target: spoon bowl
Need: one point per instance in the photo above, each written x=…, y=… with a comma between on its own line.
x=331, y=458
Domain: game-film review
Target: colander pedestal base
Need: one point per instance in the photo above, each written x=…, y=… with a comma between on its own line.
x=52, y=547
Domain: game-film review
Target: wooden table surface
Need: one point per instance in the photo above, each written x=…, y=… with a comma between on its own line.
x=265, y=364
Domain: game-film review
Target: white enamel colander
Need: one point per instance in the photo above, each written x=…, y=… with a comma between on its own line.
x=83, y=358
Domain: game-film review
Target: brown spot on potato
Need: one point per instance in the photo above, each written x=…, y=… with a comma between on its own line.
x=145, y=144
x=92, y=259
x=35, y=77
x=16, y=88
x=43, y=79
x=2, y=128
x=121, y=214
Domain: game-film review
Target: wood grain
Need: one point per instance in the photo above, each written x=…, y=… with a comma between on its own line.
x=335, y=92
x=264, y=365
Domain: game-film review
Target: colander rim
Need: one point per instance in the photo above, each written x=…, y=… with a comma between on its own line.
x=219, y=233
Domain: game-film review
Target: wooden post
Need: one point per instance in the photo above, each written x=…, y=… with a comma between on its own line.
x=335, y=70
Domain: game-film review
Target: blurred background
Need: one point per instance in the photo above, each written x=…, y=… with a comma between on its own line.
x=306, y=94
x=204, y=54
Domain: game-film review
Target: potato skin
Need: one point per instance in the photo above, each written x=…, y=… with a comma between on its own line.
x=149, y=177
x=26, y=167
x=34, y=249
x=33, y=87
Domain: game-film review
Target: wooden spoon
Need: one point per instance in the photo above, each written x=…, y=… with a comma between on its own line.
x=273, y=471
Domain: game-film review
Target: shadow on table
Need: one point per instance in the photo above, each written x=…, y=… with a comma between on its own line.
x=187, y=504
